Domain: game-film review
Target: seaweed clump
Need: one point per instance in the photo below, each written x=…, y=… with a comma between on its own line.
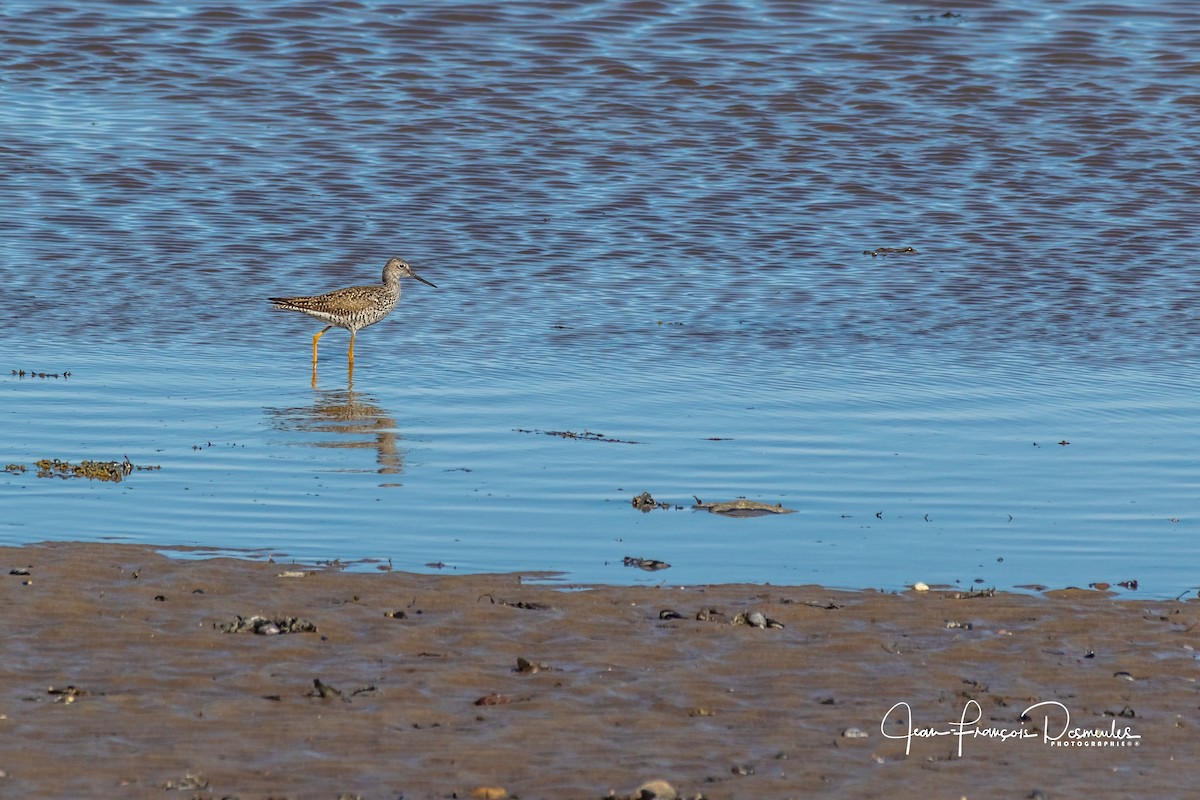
x=115, y=471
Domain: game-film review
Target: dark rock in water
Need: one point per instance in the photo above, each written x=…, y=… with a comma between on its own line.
x=742, y=507
x=648, y=564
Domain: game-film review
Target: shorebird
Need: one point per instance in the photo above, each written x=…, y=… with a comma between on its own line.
x=354, y=307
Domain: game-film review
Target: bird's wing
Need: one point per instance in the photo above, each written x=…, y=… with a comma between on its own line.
x=343, y=301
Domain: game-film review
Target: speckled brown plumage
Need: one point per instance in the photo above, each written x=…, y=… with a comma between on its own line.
x=354, y=307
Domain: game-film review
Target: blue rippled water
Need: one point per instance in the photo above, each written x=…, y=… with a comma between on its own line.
x=645, y=220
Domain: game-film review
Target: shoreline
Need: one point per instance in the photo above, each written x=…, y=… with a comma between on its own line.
x=119, y=676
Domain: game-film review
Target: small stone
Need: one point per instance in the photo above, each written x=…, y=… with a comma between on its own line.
x=489, y=793
x=854, y=733
x=920, y=587
x=655, y=790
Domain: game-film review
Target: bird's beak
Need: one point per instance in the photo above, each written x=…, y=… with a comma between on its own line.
x=422, y=280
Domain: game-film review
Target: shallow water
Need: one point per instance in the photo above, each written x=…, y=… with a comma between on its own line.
x=645, y=220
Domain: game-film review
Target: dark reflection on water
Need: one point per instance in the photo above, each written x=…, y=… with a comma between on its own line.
x=344, y=418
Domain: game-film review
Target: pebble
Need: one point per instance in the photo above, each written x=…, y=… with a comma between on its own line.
x=489, y=793
x=755, y=619
x=655, y=790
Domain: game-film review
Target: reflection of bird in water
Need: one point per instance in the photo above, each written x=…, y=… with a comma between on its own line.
x=354, y=418
x=354, y=307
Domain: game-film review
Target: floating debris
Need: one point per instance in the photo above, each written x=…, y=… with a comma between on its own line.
x=669, y=613
x=265, y=626
x=741, y=507
x=648, y=564
x=935, y=17
x=645, y=503
x=889, y=251
x=708, y=614
x=755, y=619
x=21, y=373
x=920, y=586
x=68, y=694
x=966, y=626
x=854, y=733
x=590, y=436
x=526, y=667
x=115, y=471
x=493, y=700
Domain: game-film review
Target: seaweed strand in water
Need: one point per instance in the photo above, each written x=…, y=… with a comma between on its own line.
x=587, y=435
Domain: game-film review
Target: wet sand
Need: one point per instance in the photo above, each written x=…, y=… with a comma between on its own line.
x=118, y=680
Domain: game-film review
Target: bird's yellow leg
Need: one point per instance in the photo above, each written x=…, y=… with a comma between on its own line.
x=315, y=338
x=351, y=348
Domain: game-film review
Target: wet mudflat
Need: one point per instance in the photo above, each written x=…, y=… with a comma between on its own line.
x=122, y=674
x=869, y=262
